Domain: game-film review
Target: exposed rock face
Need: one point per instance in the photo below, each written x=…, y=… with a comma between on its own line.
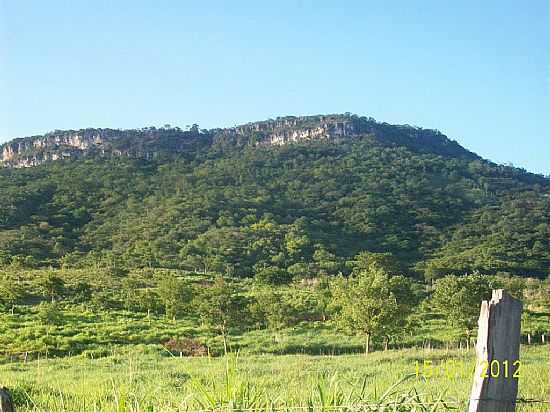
x=295, y=129
x=34, y=151
x=337, y=127
x=71, y=144
x=151, y=142
x=72, y=140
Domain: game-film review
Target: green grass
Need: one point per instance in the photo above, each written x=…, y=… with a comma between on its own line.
x=150, y=380
x=90, y=328
x=99, y=333
x=93, y=359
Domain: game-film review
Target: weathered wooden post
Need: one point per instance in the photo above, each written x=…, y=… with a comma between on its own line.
x=6, y=404
x=495, y=386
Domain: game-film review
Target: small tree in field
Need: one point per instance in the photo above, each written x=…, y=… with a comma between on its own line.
x=50, y=313
x=372, y=303
x=221, y=307
x=10, y=293
x=459, y=298
x=274, y=309
x=175, y=296
x=52, y=286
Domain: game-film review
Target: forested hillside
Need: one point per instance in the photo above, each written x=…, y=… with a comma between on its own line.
x=275, y=200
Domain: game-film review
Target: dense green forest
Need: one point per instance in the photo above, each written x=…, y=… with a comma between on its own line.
x=366, y=236
x=222, y=203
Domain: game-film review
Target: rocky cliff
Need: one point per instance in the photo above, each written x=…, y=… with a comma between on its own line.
x=32, y=151
x=74, y=144
x=152, y=142
x=292, y=129
x=338, y=127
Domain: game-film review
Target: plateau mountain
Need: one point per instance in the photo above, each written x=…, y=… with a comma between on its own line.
x=292, y=197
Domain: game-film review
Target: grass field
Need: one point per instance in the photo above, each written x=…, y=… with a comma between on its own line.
x=148, y=379
x=77, y=354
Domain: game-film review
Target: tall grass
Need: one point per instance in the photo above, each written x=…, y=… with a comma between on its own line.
x=238, y=393
x=148, y=382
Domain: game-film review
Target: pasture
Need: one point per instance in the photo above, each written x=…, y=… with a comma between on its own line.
x=150, y=379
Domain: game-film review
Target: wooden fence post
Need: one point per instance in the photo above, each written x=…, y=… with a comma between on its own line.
x=6, y=404
x=495, y=387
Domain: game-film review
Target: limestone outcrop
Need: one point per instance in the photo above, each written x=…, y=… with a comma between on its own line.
x=152, y=142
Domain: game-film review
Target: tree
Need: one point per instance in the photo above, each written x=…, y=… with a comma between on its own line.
x=105, y=299
x=300, y=270
x=323, y=296
x=272, y=275
x=326, y=263
x=274, y=309
x=149, y=301
x=528, y=324
x=539, y=295
x=366, y=260
x=50, y=313
x=372, y=303
x=459, y=299
x=222, y=307
x=81, y=292
x=10, y=292
x=52, y=286
x=175, y=295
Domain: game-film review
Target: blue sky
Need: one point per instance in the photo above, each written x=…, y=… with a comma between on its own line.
x=477, y=71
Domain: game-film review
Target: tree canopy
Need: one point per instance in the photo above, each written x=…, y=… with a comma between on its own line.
x=373, y=303
x=420, y=206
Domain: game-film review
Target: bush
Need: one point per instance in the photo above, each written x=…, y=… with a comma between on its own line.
x=186, y=347
x=273, y=275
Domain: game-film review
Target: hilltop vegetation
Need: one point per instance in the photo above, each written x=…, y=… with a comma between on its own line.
x=223, y=203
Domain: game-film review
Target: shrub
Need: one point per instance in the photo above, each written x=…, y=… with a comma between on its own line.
x=186, y=347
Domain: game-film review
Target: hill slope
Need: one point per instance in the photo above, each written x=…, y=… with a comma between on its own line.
x=151, y=142
x=291, y=197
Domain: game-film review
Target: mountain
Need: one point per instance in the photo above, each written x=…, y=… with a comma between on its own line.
x=283, y=198
x=151, y=142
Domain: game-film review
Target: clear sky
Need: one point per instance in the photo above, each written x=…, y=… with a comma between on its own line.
x=478, y=71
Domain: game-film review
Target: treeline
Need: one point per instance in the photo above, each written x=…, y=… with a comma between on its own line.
x=372, y=302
